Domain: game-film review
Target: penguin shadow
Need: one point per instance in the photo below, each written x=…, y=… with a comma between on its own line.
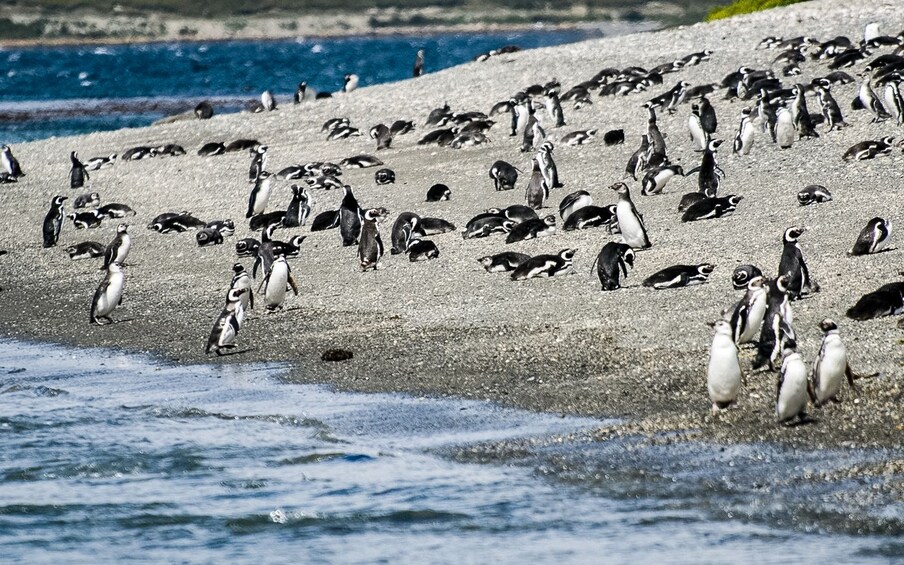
x=282, y=310
x=114, y=322
x=805, y=420
x=235, y=352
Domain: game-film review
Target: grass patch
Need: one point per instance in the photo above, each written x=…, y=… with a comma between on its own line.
x=746, y=7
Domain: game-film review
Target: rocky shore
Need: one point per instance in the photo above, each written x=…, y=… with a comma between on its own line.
x=446, y=327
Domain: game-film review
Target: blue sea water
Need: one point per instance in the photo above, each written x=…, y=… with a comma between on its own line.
x=56, y=91
x=111, y=457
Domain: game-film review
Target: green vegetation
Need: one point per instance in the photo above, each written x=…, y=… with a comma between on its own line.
x=747, y=7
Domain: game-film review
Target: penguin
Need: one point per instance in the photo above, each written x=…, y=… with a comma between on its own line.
x=441, y=137
x=334, y=123
x=873, y=238
x=613, y=258
x=434, y=226
x=261, y=221
x=85, y=250
x=170, y=150
x=776, y=323
x=655, y=180
x=580, y=137
x=142, y=152
x=278, y=280
x=226, y=327
x=118, y=248
x=554, y=108
x=785, y=133
x=401, y=127
x=813, y=193
x=638, y=160
x=9, y=163
x=97, y=163
x=793, y=264
x=325, y=221
x=678, y=276
x=370, y=246
x=613, y=137
x=421, y=250
x=699, y=135
x=791, y=390
x=242, y=145
x=350, y=83
x=657, y=153
x=894, y=102
x=83, y=220
x=259, y=195
x=299, y=208
x=77, y=173
x=592, y=217
x=533, y=133
x=241, y=281
x=6, y=179
x=573, y=202
x=439, y=116
x=532, y=229
x=747, y=315
x=708, y=116
x=206, y=150
x=208, y=236
x=405, y=226
x=349, y=218
x=225, y=227
x=108, y=295
x=300, y=92
x=53, y=221
x=88, y=200
x=546, y=265
x=247, y=247
x=743, y=274
x=830, y=367
x=830, y=109
x=869, y=149
x=723, y=374
x=503, y=262
x=630, y=221
x=887, y=300
x=800, y=114
x=361, y=162
x=548, y=166
x=115, y=211
x=516, y=212
x=537, y=189
x=438, y=193
x=267, y=101
x=870, y=101
x=203, y=111
x=504, y=175
x=384, y=176
x=259, y=161
x=709, y=177
x=382, y=135
x=265, y=252
x=486, y=226
x=343, y=132
x=711, y=208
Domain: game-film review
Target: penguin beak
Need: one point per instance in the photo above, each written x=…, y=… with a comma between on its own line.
x=711, y=324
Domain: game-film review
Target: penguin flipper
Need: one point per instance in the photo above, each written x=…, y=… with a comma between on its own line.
x=292, y=284
x=692, y=171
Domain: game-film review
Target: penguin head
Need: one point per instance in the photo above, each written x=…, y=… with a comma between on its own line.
x=58, y=200
x=238, y=268
x=781, y=283
x=486, y=261
x=735, y=199
x=508, y=225
x=549, y=220
x=122, y=228
x=620, y=188
x=756, y=282
x=714, y=144
x=720, y=326
x=115, y=267
x=827, y=325
x=792, y=234
x=706, y=268
x=568, y=254
x=628, y=256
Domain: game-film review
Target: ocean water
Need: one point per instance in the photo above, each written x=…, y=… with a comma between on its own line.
x=57, y=91
x=110, y=457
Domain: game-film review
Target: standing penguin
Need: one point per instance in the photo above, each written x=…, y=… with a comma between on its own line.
x=267, y=101
x=299, y=208
x=108, y=295
x=785, y=134
x=259, y=196
x=709, y=177
x=776, y=324
x=277, y=281
x=370, y=246
x=638, y=161
x=241, y=281
x=744, y=138
x=747, y=317
x=613, y=258
x=699, y=135
x=793, y=264
x=630, y=221
x=77, y=173
x=258, y=162
x=419, y=63
x=350, y=83
x=830, y=367
x=791, y=391
x=53, y=221
x=119, y=248
x=9, y=163
x=894, y=103
x=554, y=108
x=873, y=238
x=723, y=376
x=708, y=116
x=870, y=101
x=548, y=166
x=537, y=189
x=800, y=114
x=349, y=218
x=830, y=109
x=227, y=325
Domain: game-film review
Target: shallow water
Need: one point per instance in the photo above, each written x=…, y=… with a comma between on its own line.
x=109, y=457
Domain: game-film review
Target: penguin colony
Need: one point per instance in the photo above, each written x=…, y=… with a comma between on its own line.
x=770, y=109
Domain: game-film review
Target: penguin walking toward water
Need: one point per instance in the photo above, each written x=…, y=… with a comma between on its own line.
x=630, y=221
x=873, y=238
x=548, y=166
x=9, y=163
x=349, y=218
x=418, y=64
x=119, y=247
x=108, y=295
x=227, y=325
x=723, y=375
x=77, y=172
x=277, y=282
x=537, y=189
x=53, y=221
x=241, y=281
x=260, y=195
x=370, y=246
x=792, y=263
x=791, y=390
x=259, y=161
x=613, y=261
x=776, y=324
x=747, y=316
x=831, y=366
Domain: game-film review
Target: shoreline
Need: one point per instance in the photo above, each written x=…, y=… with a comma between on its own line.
x=446, y=328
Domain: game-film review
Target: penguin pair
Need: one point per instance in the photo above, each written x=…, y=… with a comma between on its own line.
x=239, y=298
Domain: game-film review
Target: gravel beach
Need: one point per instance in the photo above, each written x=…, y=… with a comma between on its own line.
x=446, y=327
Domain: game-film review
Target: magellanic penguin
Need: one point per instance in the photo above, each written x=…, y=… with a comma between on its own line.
x=830, y=109
x=887, y=300
x=277, y=282
x=894, y=102
x=119, y=247
x=613, y=261
x=699, y=136
x=793, y=264
x=77, y=173
x=638, y=161
x=800, y=114
x=259, y=161
x=537, y=189
x=723, y=376
x=831, y=366
x=299, y=208
x=870, y=101
x=655, y=180
x=267, y=101
x=743, y=274
x=630, y=221
x=747, y=316
x=9, y=163
x=678, y=276
x=504, y=175
x=241, y=280
x=108, y=295
x=710, y=175
x=88, y=200
x=743, y=141
x=873, y=238
x=438, y=193
x=791, y=390
x=776, y=326
x=546, y=265
x=381, y=134
x=97, y=163
x=708, y=116
x=419, y=63
x=532, y=229
x=349, y=218
x=384, y=176
x=350, y=83
x=548, y=166
x=503, y=262
x=370, y=246
x=85, y=250
x=53, y=221
x=813, y=193
x=227, y=325
x=785, y=133
x=574, y=202
x=259, y=196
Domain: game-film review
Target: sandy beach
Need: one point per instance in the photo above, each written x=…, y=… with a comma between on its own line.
x=446, y=327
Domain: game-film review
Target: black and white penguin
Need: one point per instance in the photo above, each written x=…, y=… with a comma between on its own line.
x=203, y=111
x=361, y=162
x=792, y=263
x=870, y=101
x=261, y=221
x=630, y=221
x=116, y=211
x=887, y=300
x=708, y=116
x=350, y=83
x=77, y=173
x=613, y=137
x=227, y=325
x=829, y=107
x=267, y=101
x=139, y=153
x=343, y=132
x=613, y=261
x=299, y=208
x=698, y=134
x=710, y=175
x=743, y=274
x=655, y=180
x=869, y=149
x=776, y=324
x=894, y=103
x=434, y=226
x=349, y=218
x=206, y=150
x=813, y=193
x=504, y=175
x=743, y=141
x=791, y=391
x=88, y=200
x=325, y=221
x=421, y=250
x=247, y=247
x=573, y=202
x=300, y=92
x=537, y=189
x=516, y=212
x=278, y=280
x=9, y=163
x=438, y=193
x=259, y=160
x=86, y=250
x=241, y=280
x=97, y=163
x=678, y=276
x=170, y=150
x=86, y=220
x=225, y=227
x=259, y=195
x=370, y=246
x=546, y=265
x=503, y=262
x=250, y=145
x=592, y=217
x=532, y=229
x=554, y=108
x=119, y=246
x=580, y=137
x=53, y=221
x=638, y=161
x=723, y=374
x=711, y=208
x=382, y=135
x=830, y=367
x=401, y=127
x=108, y=295
x=208, y=236
x=384, y=176
x=747, y=315
x=873, y=238
x=548, y=166
x=785, y=132
x=487, y=225
x=404, y=228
